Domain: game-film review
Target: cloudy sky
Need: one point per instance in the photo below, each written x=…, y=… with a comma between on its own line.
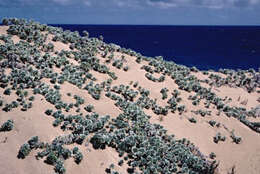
x=163, y=12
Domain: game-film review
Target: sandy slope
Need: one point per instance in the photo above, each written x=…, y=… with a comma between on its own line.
x=245, y=156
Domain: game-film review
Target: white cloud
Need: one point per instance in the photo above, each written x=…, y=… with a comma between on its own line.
x=162, y=4
x=63, y=2
x=78, y=2
x=87, y=3
x=216, y=4
x=126, y=3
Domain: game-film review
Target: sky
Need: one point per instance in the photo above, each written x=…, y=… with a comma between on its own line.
x=140, y=12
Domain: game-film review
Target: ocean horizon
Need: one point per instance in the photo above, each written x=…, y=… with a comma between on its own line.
x=206, y=47
x=202, y=46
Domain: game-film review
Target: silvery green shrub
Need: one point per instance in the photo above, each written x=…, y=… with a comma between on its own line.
x=7, y=126
x=24, y=151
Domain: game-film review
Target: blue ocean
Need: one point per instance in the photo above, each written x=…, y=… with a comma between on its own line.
x=206, y=47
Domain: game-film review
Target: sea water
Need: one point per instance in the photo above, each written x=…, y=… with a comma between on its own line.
x=206, y=47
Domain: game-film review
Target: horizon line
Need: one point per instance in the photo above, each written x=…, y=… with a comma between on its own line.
x=199, y=25
x=173, y=25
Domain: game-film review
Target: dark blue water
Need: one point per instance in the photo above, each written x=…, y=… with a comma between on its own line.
x=206, y=47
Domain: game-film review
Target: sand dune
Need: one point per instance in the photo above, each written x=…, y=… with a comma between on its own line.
x=245, y=156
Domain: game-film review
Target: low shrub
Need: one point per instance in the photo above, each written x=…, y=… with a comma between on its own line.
x=236, y=139
x=212, y=123
x=24, y=151
x=7, y=126
x=89, y=108
x=212, y=155
x=126, y=68
x=59, y=167
x=218, y=138
x=7, y=91
x=78, y=157
x=192, y=120
x=164, y=93
x=48, y=112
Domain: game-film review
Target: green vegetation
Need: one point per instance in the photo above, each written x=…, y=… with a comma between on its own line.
x=236, y=139
x=151, y=147
x=94, y=90
x=7, y=91
x=7, y=126
x=89, y=108
x=48, y=112
x=192, y=120
x=149, y=76
x=212, y=123
x=203, y=113
x=135, y=84
x=218, y=138
x=78, y=157
x=212, y=155
x=164, y=93
x=125, y=91
x=126, y=68
x=24, y=151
